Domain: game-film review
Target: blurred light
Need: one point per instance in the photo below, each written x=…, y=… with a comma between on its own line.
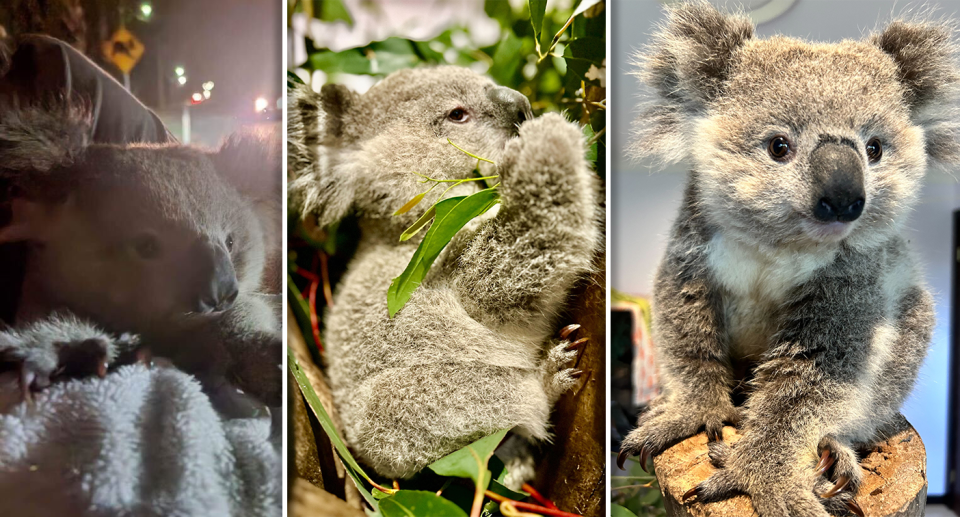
x=196, y=98
x=146, y=10
x=179, y=71
x=206, y=94
x=182, y=80
x=207, y=86
x=260, y=104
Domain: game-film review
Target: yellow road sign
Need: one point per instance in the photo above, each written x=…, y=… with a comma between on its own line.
x=123, y=49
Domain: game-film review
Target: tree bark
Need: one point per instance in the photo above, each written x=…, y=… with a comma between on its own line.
x=894, y=483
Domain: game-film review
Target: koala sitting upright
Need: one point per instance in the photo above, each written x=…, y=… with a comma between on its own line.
x=470, y=352
x=787, y=281
x=165, y=242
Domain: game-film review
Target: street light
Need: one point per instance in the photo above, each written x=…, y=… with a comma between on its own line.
x=146, y=10
x=179, y=71
x=182, y=80
x=208, y=86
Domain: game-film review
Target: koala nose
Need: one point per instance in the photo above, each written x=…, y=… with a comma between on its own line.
x=514, y=106
x=220, y=289
x=838, y=183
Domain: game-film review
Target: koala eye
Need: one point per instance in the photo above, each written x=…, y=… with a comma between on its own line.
x=874, y=150
x=458, y=115
x=229, y=242
x=779, y=148
x=147, y=246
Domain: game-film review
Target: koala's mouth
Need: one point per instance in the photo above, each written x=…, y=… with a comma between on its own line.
x=833, y=231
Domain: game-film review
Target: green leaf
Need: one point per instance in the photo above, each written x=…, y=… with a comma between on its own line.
x=451, y=215
x=334, y=10
x=506, y=59
x=618, y=511
x=499, y=474
x=592, y=150
x=327, y=424
x=301, y=312
x=584, y=5
x=350, y=61
x=470, y=461
x=417, y=226
x=415, y=503
x=293, y=79
x=537, y=8
x=410, y=204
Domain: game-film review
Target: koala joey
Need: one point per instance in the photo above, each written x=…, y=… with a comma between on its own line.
x=471, y=352
x=787, y=302
x=162, y=245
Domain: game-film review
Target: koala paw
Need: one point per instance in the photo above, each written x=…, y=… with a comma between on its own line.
x=839, y=486
x=668, y=422
x=559, y=367
x=547, y=143
x=45, y=362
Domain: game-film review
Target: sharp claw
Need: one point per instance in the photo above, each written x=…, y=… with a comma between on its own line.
x=576, y=374
x=855, y=508
x=622, y=457
x=826, y=461
x=102, y=369
x=145, y=357
x=577, y=344
x=841, y=484
x=644, y=455
x=569, y=329
x=714, y=436
x=689, y=494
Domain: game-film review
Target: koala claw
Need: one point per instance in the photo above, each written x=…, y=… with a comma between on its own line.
x=855, y=508
x=842, y=483
x=577, y=344
x=644, y=455
x=826, y=461
x=569, y=329
x=690, y=494
x=576, y=374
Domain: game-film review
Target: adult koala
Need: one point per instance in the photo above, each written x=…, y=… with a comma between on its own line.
x=787, y=281
x=471, y=351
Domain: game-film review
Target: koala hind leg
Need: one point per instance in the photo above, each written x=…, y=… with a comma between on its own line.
x=404, y=418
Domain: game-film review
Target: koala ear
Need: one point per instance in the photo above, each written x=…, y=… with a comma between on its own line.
x=39, y=138
x=251, y=162
x=926, y=58
x=315, y=127
x=686, y=63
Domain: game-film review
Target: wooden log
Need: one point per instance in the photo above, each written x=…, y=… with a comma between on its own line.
x=894, y=483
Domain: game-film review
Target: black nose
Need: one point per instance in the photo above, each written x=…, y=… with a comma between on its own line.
x=837, y=171
x=514, y=106
x=219, y=290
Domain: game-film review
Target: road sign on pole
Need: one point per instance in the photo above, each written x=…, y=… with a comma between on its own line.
x=123, y=49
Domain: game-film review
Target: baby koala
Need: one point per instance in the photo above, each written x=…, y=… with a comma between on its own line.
x=162, y=245
x=788, y=302
x=471, y=352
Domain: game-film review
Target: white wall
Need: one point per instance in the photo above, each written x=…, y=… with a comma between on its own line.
x=644, y=200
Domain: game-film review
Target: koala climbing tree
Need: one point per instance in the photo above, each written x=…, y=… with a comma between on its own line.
x=162, y=245
x=471, y=352
x=787, y=302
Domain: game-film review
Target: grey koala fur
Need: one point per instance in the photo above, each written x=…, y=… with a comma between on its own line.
x=818, y=325
x=471, y=351
x=165, y=242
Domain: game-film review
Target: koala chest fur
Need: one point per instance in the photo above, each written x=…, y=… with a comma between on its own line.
x=753, y=283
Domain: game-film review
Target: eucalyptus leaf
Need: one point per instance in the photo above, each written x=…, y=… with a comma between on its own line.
x=416, y=503
x=584, y=5
x=618, y=511
x=334, y=10
x=451, y=215
x=463, y=462
x=301, y=312
x=410, y=204
x=417, y=226
x=327, y=424
x=499, y=473
x=537, y=8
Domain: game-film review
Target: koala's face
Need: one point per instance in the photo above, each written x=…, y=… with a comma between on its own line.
x=157, y=239
x=404, y=125
x=809, y=144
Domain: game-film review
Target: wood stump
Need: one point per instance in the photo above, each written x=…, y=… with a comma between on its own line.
x=894, y=483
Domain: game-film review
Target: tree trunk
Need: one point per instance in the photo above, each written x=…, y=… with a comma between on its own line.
x=894, y=483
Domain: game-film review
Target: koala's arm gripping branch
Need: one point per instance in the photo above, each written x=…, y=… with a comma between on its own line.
x=523, y=263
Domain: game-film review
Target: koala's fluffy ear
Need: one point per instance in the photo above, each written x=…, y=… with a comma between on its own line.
x=42, y=137
x=315, y=134
x=686, y=63
x=251, y=162
x=926, y=58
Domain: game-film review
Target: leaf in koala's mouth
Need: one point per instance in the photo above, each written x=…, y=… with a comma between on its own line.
x=410, y=204
x=451, y=215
